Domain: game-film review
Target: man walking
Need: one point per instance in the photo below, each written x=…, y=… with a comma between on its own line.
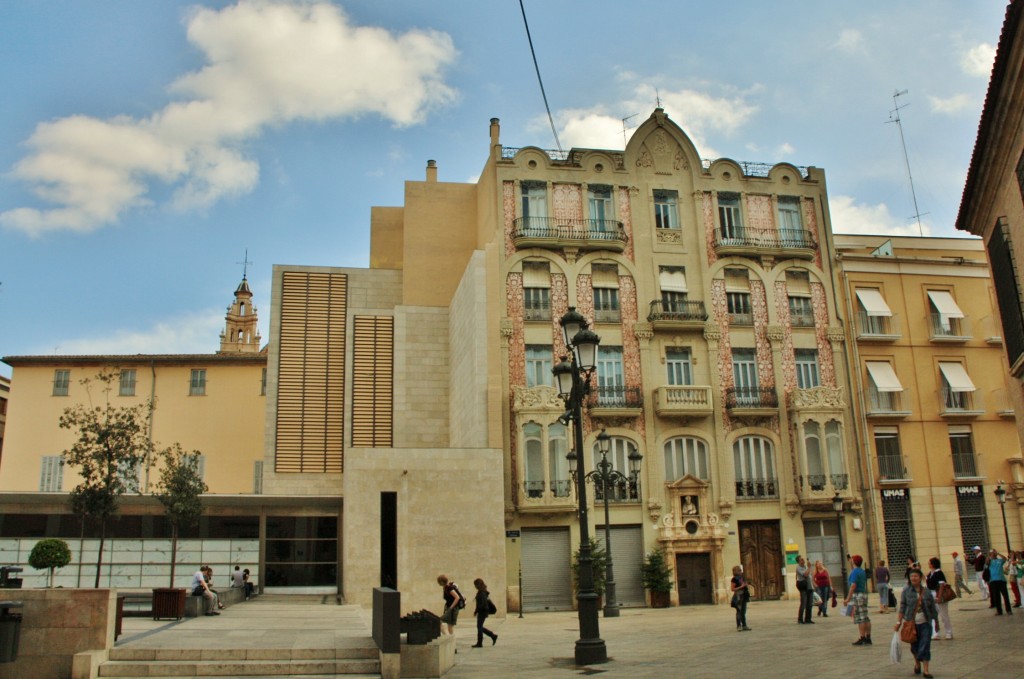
x=859, y=596
x=805, y=590
x=979, y=572
x=958, y=576
x=997, y=582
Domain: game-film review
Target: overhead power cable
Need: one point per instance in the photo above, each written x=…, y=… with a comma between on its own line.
x=543, y=94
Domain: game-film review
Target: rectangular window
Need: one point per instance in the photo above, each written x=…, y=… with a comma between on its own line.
x=606, y=305
x=538, y=365
x=791, y=228
x=1004, y=277
x=263, y=383
x=197, y=382
x=666, y=214
x=257, y=477
x=51, y=477
x=679, y=365
x=127, y=385
x=537, y=304
x=535, y=205
x=890, y=459
x=610, y=384
x=961, y=445
x=744, y=373
x=807, y=368
x=801, y=313
x=201, y=466
x=600, y=203
x=970, y=504
x=739, y=308
x=61, y=381
x=730, y=218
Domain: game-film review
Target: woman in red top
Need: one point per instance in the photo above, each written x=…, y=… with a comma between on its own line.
x=823, y=586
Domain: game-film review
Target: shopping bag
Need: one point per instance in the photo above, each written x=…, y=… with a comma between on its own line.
x=847, y=609
x=817, y=599
x=895, y=648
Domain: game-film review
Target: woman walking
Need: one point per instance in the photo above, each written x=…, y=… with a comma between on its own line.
x=823, y=586
x=935, y=579
x=918, y=606
x=882, y=577
x=740, y=597
x=483, y=609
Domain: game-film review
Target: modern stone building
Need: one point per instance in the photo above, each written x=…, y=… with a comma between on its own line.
x=5, y=394
x=933, y=407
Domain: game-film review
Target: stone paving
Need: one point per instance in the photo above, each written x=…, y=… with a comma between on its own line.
x=694, y=641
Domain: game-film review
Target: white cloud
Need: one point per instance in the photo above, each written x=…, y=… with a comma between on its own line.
x=977, y=61
x=785, y=149
x=268, y=63
x=850, y=40
x=194, y=333
x=951, y=105
x=850, y=217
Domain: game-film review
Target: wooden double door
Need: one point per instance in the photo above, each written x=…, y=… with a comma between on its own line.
x=693, y=578
x=761, y=556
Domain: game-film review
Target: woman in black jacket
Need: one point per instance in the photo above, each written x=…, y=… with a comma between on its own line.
x=483, y=605
x=935, y=578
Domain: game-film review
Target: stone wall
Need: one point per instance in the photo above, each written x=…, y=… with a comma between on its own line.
x=468, y=357
x=57, y=624
x=421, y=378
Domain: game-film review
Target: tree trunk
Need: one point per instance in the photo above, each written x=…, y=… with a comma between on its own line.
x=174, y=552
x=51, y=576
x=99, y=558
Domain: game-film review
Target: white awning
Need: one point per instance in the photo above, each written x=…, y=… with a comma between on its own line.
x=884, y=376
x=873, y=302
x=956, y=377
x=945, y=304
x=672, y=280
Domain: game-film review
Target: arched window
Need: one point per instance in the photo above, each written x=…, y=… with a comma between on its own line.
x=755, y=468
x=533, y=440
x=684, y=456
x=834, y=446
x=815, y=463
x=618, y=454
x=558, y=466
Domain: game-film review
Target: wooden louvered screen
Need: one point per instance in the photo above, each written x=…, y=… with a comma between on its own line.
x=372, y=381
x=311, y=382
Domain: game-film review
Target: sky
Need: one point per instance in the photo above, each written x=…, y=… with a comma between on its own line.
x=145, y=147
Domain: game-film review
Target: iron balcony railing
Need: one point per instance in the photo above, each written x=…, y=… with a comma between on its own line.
x=950, y=329
x=607, y=315
x=568, y=229
x=801, y=320
x=621, y=491
x=869, y=327
x=756, y=489
x=616, y=397
x=885, y=402
x=893, y=468
x=965, y=466
x=741, y=318
x=965, y=402
x=537, y=311
x=840, y=481
x=535, y=490
x=677, y=311
x=764, y=238
x=818, y=481
x=751, y=397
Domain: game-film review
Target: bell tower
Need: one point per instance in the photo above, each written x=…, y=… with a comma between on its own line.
x=240, y=335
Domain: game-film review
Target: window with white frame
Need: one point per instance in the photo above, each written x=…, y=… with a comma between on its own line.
x=51, y=476
x=605, y=281
x=961, y=445
x=744, y=375
x=874, y=314
x=61, y=382
x=815, y=462
x=754, y=462
x=790, y=223
x=533, y=442
x=535, y=205
x=679, y=365
x=834, y=448
x=536, y=291
x=126, y=386
x=546, y=469
x=672, y=281
x=730, y=218
x=619, y=450
x=538, y=365
x=890, y=457
x=686, y=455
x=599, y=200
x=666, y=215
x=807, y=368
x=559, y=483
x=610, y=383
x=197, y=382
x=738, y=305
x=801, y=312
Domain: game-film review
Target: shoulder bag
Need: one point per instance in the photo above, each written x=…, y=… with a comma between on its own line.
x=908, y=630
x=945, y=594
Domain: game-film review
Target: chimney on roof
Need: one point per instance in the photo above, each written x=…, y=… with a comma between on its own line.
x=431, y=170
x=495, y=132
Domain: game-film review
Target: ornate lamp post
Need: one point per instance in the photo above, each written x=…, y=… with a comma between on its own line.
x=1001, y=497
x=837, y=506
x=572, y=379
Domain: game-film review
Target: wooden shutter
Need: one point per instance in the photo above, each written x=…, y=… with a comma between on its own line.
x=311, y=380
x=372, y=381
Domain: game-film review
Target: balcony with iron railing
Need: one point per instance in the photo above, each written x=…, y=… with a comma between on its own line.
x=801, y=320
x=823, y=487
x=537, y=311
x=676, y=315
x=547, y=495
x=887, y=403
x=892, y=468
x=947, y=329
x=790, y=243
x=620, y=491
x=757, y=489
x=967, y=467
x=683, y=401
x=960, y=403
x=741, y=318
x=752, y=400
x=877, y=328
x=557, y=233
x=607, y=315
x=616, y=401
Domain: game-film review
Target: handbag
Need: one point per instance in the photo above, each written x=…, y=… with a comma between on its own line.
x=817, y=599
x=892, y=599
x=491, y=608
x=835, y=599
x=908, y=630
x=945, y=593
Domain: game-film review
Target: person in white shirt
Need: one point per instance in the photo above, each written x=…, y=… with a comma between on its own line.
x=200, y=588
x=237, y=579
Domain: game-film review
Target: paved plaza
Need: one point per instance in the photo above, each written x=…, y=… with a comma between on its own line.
x=695, y=641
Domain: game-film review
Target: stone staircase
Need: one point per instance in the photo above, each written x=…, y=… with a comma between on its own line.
x=350, y=662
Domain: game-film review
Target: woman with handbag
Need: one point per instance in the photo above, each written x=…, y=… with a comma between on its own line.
x=916, y=611
x=936, y=581
x=740, y=597
x=484, y=607
x=823, y=586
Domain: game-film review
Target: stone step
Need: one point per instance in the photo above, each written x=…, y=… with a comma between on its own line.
x=239, y=668
x=129, y=653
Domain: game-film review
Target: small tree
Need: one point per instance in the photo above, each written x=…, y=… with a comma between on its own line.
x=599, y=560
x=179, y=490
x=49, y=553
x=656, y=574
x=112, y=445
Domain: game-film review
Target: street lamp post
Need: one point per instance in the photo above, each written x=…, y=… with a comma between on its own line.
x=837, y=505
x=605, y=478
x=1001, y=497
x=573, y=383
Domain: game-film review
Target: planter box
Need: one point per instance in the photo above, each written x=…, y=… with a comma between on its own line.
x=169, y=602
x=661, y=599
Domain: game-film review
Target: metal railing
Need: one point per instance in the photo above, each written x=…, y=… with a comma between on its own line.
x=756, y=489
x=622, y=491
x=947, y=328
x=751, y=397
x=884, y=402
x=536, y=490
x=818, y=481
x=568, y=229
x=753, y=169
x=537, y=311
x=840, y=481
x=607, y=315
x=741, y=318
x=954, y=402
x=801, y=320
x=876, y=326
x=893, y=468
x=965, y=466
x=616, y=397
x=677, y=311
x=764, y=238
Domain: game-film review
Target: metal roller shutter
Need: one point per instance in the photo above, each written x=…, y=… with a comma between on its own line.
x=627, y=560
x=547, y=573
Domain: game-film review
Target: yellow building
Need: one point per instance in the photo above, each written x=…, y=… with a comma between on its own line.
x=936, y=422
x=5, y=393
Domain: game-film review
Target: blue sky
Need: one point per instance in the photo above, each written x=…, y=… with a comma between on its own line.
x=144, y=146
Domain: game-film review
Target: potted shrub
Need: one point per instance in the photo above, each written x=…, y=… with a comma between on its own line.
x=50, y=553
x=599, y=559
x=657, y=578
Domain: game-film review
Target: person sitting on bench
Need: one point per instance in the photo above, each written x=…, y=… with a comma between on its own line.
x=200, y=588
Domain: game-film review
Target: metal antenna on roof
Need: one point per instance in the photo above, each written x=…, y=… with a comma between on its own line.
x=624, y=128
x=245, y=264
x=543, y=94
x=894, y=117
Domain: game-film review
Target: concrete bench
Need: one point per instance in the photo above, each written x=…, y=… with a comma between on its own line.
x=195, y=605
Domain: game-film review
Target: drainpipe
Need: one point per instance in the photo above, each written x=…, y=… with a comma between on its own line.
x=152, y=407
